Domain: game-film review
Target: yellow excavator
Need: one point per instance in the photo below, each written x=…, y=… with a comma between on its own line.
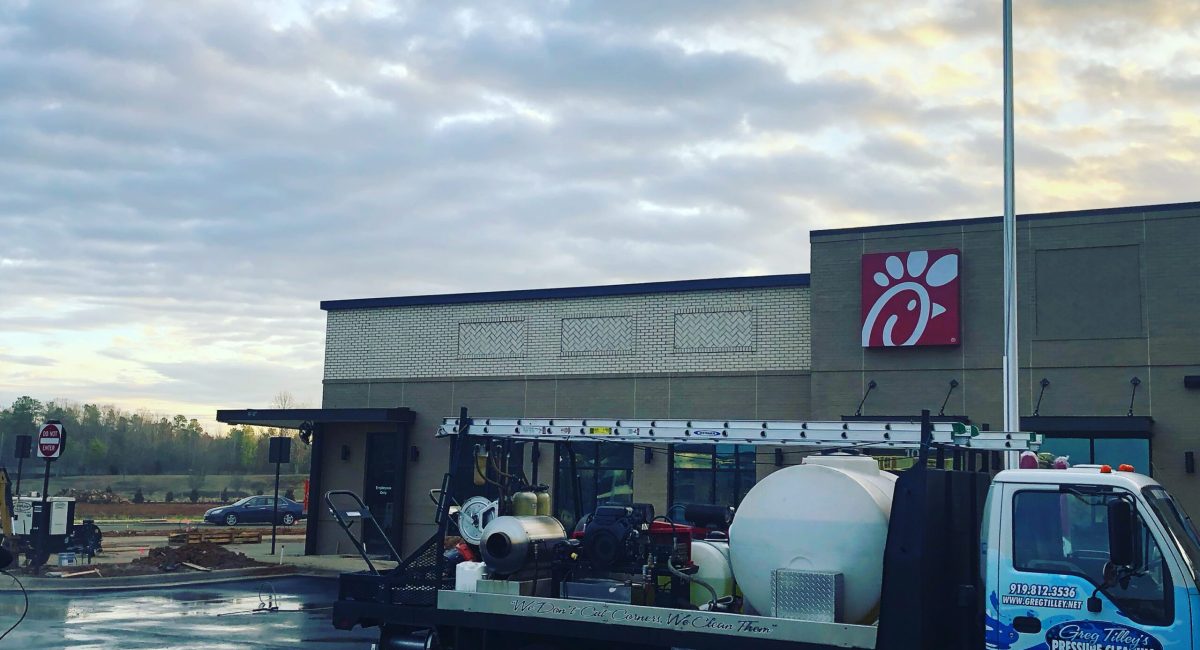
x=6, y=508
x=8, y=543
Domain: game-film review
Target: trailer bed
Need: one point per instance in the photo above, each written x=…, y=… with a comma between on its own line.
x=567, y=619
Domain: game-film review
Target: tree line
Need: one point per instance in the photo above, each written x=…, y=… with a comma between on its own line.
x=109, y=440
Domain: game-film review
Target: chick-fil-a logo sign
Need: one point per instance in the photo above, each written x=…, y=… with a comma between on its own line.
x=910, y=298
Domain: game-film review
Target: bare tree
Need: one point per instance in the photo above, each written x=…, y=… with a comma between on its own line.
x=283, y=400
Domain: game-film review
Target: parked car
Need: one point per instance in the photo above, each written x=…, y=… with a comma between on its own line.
x=255, y=510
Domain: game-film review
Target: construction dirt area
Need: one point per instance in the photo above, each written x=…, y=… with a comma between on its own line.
x=173, y=558
x=187, y=558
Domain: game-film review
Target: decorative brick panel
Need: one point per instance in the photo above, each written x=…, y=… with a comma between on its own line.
x=599, y=335
x=498, y=339
x=749, y=329
x=698, y=330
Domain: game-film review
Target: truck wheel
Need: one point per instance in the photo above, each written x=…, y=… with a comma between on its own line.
x=231, y=519
x=288, y=519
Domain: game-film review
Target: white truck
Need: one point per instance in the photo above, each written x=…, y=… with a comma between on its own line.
x=832, y=553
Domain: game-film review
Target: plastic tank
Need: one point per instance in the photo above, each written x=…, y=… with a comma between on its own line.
x=468, y=574
x=712, y=558
x=828, y=514
x=524, y=504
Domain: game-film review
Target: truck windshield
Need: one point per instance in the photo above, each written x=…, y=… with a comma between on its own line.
x=1175, y=520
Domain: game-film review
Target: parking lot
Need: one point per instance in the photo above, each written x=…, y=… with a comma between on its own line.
x=215, y=616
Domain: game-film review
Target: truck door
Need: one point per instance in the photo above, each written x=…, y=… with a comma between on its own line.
x=1054, y=547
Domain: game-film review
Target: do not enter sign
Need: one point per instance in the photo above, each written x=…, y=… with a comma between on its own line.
x=50, y=440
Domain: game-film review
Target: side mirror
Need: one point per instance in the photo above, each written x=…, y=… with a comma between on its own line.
x=1120, y=533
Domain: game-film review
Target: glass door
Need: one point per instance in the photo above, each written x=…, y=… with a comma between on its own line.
x=380, y=489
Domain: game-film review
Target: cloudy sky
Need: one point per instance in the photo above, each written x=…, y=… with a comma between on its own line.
x=182, y=182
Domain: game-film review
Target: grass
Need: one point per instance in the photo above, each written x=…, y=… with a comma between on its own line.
x=155, y=486
x=170, y=511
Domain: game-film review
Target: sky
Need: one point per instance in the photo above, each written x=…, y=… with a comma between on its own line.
x=182, y=183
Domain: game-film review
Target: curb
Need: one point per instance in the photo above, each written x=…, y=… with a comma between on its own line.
x=154, y=581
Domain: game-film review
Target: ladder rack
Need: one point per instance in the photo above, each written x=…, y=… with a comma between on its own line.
x=818, y=435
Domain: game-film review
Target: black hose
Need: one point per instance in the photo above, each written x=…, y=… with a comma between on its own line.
x=24, y=612
x=680, y=574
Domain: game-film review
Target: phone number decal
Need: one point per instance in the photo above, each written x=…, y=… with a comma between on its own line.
x=1043, y=591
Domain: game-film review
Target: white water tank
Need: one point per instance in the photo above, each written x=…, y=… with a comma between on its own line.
x=712, y=559
x=829, y=513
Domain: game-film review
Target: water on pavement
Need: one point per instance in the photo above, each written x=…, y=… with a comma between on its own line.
x=214, y=616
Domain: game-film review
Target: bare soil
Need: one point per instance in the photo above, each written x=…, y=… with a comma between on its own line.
x=164, y=560
x=169, y=559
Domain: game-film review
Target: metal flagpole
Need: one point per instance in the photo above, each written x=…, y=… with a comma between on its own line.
x=1012, y=419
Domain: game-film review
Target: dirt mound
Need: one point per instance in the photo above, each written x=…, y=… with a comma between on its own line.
x=205, y=554
x=93, y=496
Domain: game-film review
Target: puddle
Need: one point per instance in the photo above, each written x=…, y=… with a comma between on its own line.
x=234, y=615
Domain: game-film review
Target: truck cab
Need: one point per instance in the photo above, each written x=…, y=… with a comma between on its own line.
x=1088, y=558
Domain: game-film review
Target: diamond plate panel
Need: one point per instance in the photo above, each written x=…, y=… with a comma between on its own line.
x=714, y=331
x=598, y=335
x=491, y=339
x=806, y=595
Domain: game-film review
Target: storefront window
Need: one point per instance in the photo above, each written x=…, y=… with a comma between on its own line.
x=1101, y=451
x=605, y=476
x=1117, y=451
x=1077, y=450
x=720, y=475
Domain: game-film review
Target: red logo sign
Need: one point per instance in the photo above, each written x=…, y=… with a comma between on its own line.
x=910, y=299
x=50, y=441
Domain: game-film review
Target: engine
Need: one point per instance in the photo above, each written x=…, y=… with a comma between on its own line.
x=517, y=545
x=615, y=538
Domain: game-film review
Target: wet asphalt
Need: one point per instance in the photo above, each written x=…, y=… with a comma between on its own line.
x=216, y=616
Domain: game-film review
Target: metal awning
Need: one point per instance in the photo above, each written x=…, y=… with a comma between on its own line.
x=293, y=418
x=1097, y=426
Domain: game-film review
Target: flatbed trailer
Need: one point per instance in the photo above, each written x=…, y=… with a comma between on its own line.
x=479, y=620
x=962, y=568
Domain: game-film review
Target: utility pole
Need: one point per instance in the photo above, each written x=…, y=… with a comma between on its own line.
x=278, y=451
x=1010, y=365
x=24, y=446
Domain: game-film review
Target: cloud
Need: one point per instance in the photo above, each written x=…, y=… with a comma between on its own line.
x=186, y=182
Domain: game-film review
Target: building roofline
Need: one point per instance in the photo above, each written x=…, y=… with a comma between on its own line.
x=293, y=418
x=598, y=291
x=920, y=225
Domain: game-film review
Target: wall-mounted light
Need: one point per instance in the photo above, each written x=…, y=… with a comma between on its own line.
x=306, y=432
x=953, y=385
x=414, y=454
x=1135, y=382
x=345, y=452
x=870, y=387
x=1037, y=409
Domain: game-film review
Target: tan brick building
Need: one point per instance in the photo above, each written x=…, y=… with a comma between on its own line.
x=1105, y=296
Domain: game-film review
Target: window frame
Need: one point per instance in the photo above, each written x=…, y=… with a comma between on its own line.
x=1091, y=438
x=739, y=471
x=1168, y=585
x=562, y=490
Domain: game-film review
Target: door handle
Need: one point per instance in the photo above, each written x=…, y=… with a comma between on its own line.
x=1027, y=624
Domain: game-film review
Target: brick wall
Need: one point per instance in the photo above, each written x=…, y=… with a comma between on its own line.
x=698, y=331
